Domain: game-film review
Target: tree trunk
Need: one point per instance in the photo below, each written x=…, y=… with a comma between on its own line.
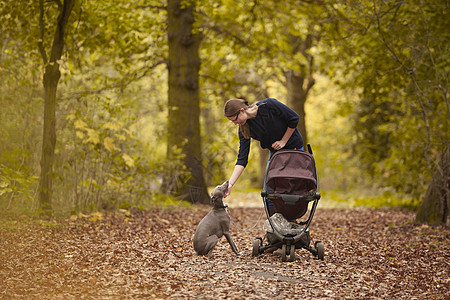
x=184, y=102
x=50, y=82
x=51, y=78
x=297, y=91
x=436, y=202
x=296, y=95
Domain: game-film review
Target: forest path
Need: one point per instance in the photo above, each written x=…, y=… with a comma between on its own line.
x=134, y=254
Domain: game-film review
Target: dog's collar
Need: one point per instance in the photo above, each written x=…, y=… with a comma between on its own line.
x=223, y=206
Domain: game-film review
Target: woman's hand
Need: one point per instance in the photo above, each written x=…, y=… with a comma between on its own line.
x=238, y=169
x=278, y=145
x=228, y=191
x=281, y=143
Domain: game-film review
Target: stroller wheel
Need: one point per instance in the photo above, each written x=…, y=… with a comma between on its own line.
x=288, y=252
x=320, y=248
x=256, y=247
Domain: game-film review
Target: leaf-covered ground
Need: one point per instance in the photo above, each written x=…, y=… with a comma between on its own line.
x=133, y=254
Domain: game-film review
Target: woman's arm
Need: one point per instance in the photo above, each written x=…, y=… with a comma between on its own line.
x=281, y=143
x=238, y=169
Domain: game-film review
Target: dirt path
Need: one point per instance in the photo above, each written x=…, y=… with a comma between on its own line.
x=368, y=254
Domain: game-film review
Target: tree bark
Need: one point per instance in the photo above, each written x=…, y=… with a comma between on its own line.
x=297, y=94
x=435, y=205
x=50, y=82
x=184, y=101
x=297, y=91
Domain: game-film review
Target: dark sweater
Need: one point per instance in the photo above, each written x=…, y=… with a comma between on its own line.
x=270, y=125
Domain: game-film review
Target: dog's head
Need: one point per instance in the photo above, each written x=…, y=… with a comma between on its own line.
x=218, y=192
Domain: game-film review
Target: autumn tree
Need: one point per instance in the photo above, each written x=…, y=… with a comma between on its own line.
x=47, y=23
x=395, y=54
x=50, y=59
x=184, y=103
x=97, y=161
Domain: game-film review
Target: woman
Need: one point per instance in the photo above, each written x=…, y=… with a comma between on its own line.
x=269, y=121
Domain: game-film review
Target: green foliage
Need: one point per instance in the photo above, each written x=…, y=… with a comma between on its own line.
x=103, y=163
x=14, y=183
x=385, y=129
x=100, y=161
x=20, y=101
x=395, y=54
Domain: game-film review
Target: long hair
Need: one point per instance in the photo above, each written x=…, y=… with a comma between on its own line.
x=232, y=108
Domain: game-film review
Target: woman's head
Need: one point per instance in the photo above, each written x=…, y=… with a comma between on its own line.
x=235, y=111
x=234, y=106
x=239, y=111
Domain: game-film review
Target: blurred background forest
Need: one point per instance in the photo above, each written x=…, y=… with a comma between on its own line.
x=110, y=104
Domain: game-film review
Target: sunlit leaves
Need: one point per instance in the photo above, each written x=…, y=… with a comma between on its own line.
x=109, y=144
x=79, y=124
x=128, y=160
x=112, y=126
x=92, y=136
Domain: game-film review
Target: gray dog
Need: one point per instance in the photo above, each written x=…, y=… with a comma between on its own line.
x=215, y=224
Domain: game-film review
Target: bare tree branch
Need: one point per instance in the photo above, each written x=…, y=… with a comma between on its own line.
x=41, y=30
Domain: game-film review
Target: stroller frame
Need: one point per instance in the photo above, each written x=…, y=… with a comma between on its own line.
x=288, y=243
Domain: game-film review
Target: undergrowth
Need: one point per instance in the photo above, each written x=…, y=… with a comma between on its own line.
x=383, y=200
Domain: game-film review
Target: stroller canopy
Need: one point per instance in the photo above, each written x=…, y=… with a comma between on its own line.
x=291, y=172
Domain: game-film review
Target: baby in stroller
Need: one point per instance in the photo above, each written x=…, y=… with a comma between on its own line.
x=291, y=182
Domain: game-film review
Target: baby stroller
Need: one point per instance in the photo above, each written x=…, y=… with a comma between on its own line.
x=290, y=183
